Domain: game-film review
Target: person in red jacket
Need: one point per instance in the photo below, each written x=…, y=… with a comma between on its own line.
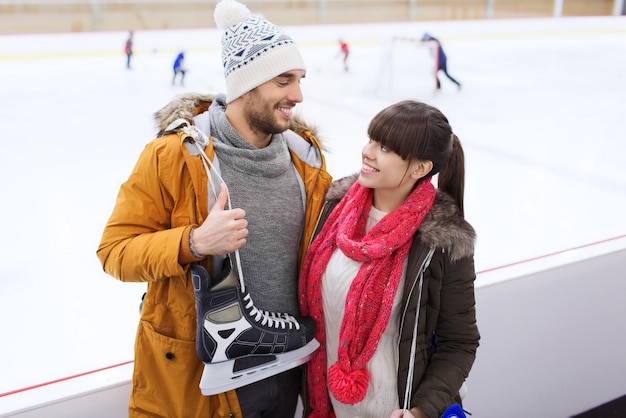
x=344, y=50
x=128, y=49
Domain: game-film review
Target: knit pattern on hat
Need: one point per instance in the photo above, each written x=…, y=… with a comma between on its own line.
x=253, y=50
x=382, y=251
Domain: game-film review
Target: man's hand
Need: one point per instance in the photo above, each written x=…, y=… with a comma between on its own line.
x=223, y=231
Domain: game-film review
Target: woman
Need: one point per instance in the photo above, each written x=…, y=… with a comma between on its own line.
x=390, y=243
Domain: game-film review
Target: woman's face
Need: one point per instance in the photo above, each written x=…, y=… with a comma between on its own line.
x=387, y=174
x=382, y=168
x=391, y=177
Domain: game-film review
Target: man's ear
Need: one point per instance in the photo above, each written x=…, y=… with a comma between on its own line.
x=421, y=168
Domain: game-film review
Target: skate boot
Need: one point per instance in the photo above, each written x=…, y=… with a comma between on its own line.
x=239, y=343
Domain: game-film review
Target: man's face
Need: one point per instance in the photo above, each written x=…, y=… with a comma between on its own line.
x=268, y=108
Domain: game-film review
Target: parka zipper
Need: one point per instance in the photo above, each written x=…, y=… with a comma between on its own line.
x=230, y=408
x=425, y=263
x=419, y=279
x=317, y=222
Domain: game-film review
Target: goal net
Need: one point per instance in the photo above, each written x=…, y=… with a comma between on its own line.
x=404, y=63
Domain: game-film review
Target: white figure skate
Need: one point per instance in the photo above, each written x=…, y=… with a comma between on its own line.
x=239, y=343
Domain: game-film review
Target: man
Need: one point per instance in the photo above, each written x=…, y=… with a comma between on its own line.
x=179, y=68
x=232, y=176
x=441, y=60
x=128, y=49
x=344, y=50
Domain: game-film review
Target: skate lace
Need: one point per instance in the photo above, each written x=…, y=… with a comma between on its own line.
x=270, y=319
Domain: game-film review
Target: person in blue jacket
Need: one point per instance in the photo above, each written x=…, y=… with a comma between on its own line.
x=441, y=59
x=179, y=68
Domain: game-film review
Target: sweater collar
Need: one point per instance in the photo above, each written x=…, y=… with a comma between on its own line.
x=233, y=150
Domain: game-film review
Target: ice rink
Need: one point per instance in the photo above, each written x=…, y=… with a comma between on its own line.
x=541, y=116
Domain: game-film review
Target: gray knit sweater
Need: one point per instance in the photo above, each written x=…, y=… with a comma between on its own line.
x=265, y=184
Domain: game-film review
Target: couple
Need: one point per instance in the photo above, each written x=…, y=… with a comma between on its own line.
x=239, y=177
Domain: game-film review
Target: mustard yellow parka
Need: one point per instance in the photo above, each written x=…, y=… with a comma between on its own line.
x=164, y=196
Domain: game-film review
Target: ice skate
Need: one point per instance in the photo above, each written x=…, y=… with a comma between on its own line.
x=239, y=343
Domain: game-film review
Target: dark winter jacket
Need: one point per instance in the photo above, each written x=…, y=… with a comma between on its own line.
x=447, y=332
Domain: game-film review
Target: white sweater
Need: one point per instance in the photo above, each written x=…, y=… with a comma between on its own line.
x=382, y=396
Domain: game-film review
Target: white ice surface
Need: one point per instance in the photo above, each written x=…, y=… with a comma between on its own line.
x=541, y=116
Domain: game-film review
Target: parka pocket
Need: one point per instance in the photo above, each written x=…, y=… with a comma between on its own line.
x=166, y=377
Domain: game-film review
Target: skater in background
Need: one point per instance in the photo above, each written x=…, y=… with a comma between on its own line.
x=163, y=224
x=441, y=60
x=344, y=51
x=128, y=48
x=179, y=68
x=391, y=273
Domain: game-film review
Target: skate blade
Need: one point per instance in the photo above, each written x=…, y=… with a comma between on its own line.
x=220, y=377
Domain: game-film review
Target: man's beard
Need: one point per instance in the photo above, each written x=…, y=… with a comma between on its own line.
x=262, y=118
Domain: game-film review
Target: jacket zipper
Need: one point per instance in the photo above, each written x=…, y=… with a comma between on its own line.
x=420, y=278
x=230, y=408
x=425, y=263
x=317, y=222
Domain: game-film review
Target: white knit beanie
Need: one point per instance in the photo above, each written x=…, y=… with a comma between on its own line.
x=253, y=50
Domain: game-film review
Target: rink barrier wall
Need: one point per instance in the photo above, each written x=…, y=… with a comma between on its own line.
x=40, y=52
x=32, y=16
x=551, y=344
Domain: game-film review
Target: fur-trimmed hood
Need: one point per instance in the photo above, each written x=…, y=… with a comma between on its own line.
x=444, y=227
x=188, y=105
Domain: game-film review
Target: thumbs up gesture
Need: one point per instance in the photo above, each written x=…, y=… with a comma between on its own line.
x=223, y=231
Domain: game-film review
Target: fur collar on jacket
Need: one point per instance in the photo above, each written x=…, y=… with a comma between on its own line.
x=188, y=105
x=443, y=227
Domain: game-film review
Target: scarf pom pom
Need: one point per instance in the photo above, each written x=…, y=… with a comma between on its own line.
x=348, y=387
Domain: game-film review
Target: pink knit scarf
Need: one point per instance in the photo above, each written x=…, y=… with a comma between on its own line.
x=368, y=304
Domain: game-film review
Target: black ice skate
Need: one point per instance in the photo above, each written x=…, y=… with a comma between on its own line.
x=239, y=343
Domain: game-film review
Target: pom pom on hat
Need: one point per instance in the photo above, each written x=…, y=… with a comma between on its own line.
x=253, y=50
x=229, y=13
